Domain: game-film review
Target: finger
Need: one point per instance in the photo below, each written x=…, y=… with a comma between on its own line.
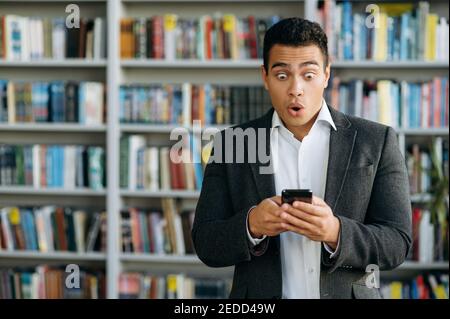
x=308, y=208
x=298, y=230
x=312, y=219
x=318, y=201
x=288, y=218
x=274, y=229
x=277, y=200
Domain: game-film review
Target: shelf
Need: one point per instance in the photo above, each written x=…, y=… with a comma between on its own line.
x=52, y=127
x=28, y=190
x=420, y=198
x=161, y=193
x=166, y=263
x=67, y=63
x=251, y=64
x=414, y=265
x=209, y=1
x=242, y=64
x=55, y=1
x=53, y=255
x=425, y=131
x=156, y=128
x=390, y=65
x=152, y=258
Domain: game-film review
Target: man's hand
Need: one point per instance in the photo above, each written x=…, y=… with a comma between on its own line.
x=265, y=219
x=315, y=221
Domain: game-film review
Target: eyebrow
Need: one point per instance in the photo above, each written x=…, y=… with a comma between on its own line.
x=282, y=64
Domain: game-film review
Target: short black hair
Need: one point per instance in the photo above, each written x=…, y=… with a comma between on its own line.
x=295, y=32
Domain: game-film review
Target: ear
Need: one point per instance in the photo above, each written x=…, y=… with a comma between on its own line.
x=264, y=77
x=327, y=74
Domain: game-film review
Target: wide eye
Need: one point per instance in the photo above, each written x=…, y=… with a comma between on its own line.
x=309, y=75
x=281, y=76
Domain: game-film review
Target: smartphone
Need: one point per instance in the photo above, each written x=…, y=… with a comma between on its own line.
x=291, y=195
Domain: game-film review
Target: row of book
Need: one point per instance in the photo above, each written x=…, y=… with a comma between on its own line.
x=158, y=168
x=421, y=169
x=393, y=32
x=185, y=103
x=51, y=282
x=53, y=166
x=207, y=37
x=157, y=232
x=424, y=286
x=134, y=285
x=430, y=237
x=52, y=228
x=57, y=101
x=398, y=104
x=36, y=38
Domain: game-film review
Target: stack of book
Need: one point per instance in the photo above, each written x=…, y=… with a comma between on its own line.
x=53, y=166
x=36, y=38
x=52, y=228
x=172, y=37
x=157, y=232
x=56, y=101
x=398, y=104
x=173, y=286
x=184, y=103
x=49, y=282
x=395, y=32
x=426, y=286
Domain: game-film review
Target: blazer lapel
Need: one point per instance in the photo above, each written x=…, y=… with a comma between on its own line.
x=340, y=152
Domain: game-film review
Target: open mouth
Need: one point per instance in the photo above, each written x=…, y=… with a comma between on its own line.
x=295, y=109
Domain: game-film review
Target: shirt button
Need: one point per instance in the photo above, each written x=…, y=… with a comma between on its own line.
x=311, y=270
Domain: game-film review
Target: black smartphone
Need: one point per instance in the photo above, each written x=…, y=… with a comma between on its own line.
x=291, y=195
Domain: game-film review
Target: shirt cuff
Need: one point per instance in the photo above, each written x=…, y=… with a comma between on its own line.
x=330, y=250
x=253, y=241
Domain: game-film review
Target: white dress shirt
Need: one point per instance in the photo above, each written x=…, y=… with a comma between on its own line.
x=300, y=164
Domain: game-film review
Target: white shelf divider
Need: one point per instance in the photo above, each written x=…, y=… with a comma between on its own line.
x=29, y=190
x=52, y=127
x=251, y=64
x=161, y=193
x=57, y=255
x=66, y=63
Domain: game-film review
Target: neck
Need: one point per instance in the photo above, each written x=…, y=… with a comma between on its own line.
x=301, y=131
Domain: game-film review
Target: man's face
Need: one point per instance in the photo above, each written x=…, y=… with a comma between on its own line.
x=296, y=80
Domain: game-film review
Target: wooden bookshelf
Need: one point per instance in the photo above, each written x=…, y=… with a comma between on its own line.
x=115, y=72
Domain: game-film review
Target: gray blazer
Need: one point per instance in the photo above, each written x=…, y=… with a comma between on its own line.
x=367, y=189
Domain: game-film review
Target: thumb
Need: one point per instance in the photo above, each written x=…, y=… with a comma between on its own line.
x=318, y=201
x=276, y=199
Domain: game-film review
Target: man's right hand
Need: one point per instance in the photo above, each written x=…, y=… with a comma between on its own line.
x=265, y=219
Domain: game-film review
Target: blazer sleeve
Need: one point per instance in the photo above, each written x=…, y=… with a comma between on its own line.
x=384, y=239
x=219, y=233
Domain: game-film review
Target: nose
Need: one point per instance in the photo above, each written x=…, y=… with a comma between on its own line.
x=296, y=88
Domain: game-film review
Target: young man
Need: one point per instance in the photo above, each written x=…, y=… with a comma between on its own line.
x=360, y=217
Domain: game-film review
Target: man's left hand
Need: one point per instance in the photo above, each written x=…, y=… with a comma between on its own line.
x=315, y=221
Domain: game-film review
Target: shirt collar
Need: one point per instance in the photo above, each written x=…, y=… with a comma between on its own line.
x=324, y=115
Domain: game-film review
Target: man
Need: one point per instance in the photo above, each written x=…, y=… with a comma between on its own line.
x=360, y=217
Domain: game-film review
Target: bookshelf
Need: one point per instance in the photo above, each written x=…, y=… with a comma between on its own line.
x=114, y=72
